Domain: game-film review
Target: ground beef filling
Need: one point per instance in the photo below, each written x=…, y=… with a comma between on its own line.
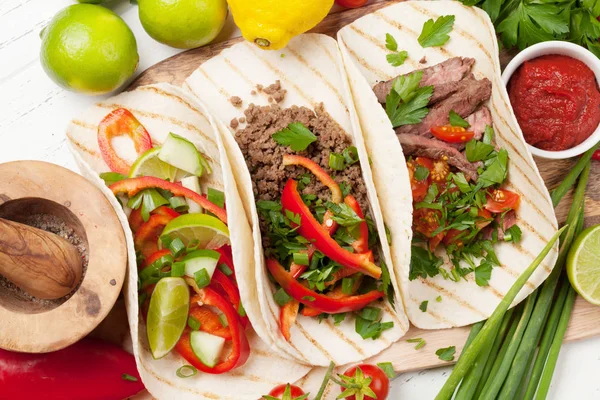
x=264, y=156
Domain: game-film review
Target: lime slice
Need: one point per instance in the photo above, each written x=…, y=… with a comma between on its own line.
x=167, y=315
x=148, y=164
x=583, y=264
x=201, y=230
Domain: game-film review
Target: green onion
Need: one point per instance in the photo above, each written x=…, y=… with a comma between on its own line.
x=186, y=371
x=223, y=320
x=225, y=269
x=241, y=310
x=336, y=162
x=301, y=258
x=151, y=201
x=308, y=298
x=177, y=247
x=177, y=269
x=281, y=297
x=475, y=329
x=350, y=155
x=319, y=395
x=370, y=313
x=559, y=192
x=347, y=285
x=202, y=278
x=468, y=357
x=179, y=204
x=166, y=240
x=130, y=378
x=193, y=323
x=192, y=245
x=216, y=197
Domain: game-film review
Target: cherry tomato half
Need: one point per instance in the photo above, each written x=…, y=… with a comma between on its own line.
x=419, y=187
x=452, y=134
x=279, y=390
x=380, y=383
x=351, y=3
x=500, y=200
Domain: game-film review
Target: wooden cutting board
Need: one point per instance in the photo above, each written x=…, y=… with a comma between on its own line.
x=585, y=320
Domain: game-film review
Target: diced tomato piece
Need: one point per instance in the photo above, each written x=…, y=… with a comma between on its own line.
x=419, y=187
x=452, y=134
x=486, y=218
x=500, y=200
x=426, y=221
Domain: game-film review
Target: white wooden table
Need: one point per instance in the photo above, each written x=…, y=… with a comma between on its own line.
x=34, y=114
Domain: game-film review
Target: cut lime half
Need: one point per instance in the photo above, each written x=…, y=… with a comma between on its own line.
x=583, y=264
x=200, y=230
x=148, y=164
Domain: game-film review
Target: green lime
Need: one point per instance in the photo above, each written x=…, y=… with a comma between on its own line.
x=184, y=24
x=583, y=264
x=91, y=1
x=203, y=230
x=148, y=164
x=167, y=315
x=88, y=49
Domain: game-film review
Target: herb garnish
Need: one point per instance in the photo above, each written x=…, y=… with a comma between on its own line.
x=388, y=368
x=407, y=102
x=435, y=33
x=419, y=341
x=446, y=354
x=396, y=58
x=457, y=120
x=296, y=135
x=423, y=306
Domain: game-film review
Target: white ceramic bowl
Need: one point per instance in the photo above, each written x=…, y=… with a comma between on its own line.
x=566, y=49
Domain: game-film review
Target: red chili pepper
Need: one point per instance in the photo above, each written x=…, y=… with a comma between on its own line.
x=90, y=369
x=231, y=291
x=361, y=244
x=240, y=348
x=132, y=186
x=287, y=317
x=146, y=238
x=321, y=302
x=321, y=240
x=121, y=122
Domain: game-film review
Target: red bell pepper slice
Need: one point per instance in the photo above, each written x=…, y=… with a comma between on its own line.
x=361, y=244
x=209, y=320
x=132, y=186
x=336, y=293
x=121, y=122
x=321, y=302
x=227, y=259
x=146, y=238
x=90, y=369
x=135, y=219
x=321, y=240
x=240, y=348
x=225, y=286
x=336, y=192
x=287, y=317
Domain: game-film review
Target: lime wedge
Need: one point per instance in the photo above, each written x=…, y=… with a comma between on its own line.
x=583, y=264
x=201, y=230
x=148, y=164
x=167, y=315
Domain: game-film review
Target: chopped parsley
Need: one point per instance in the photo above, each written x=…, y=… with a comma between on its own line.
x=438, y=299
x=371, y=329
x=435, y=33
x=446, y=354
x=457, y=120
x=339, y=318
x=296, y=135
x=423, y=306
x=281, y=297
x=388, y=368
x=483, y=273
x=407, y=102
x=421, y=173
x=423, y=264
x=396, y=58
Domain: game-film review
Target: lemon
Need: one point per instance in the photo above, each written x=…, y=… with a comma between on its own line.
x=88, y=49
x=167, y=315
x=184, y=24
x=583, y=264
x=272, y=23
x=203, y=230
x=148, y=164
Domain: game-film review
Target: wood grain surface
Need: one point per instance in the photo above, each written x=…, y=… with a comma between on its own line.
x=585, y=321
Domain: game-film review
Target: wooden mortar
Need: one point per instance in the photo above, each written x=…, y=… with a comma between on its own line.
x=36, y=324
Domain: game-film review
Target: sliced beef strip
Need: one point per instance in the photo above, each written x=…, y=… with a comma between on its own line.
x=451, y=70
x=415, y=145
x=445, y=90
x=479, y=120
x=463, y=102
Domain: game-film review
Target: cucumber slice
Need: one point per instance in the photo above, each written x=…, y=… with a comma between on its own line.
x=207, y=347
x=181, y=153
x=192, y=183
x=198, y=259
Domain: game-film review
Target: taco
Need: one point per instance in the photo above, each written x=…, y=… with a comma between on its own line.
x=481, y=209
x=327, y=283
x=190, y=330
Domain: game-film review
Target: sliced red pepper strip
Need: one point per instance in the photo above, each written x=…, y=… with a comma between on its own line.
x=146, y=238
x=287, y=317
x=136, y=220
x=121, y=122
x=321, y=240
x=336, y=192
x=336, y=293
x=240, y=348
x=132, y=186
x=361, y=244
x=226, y=286
x=321, y=302
x=209, y=320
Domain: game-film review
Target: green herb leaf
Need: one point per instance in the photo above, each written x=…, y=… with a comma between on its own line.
x=478, y=151
x=483, y=273
x=296, y=135
x=513, y=234
x=461, y=182
x=388, y=368
x=435, y=33
x=390, y=42
x=308, y=298
x=423, y=306
x=344, y=215
x=423, y=264
x=369, y=329
x=193, y=323
x=457, y=120
x=406, y=85
x=438, y=299
x=281, y=297
x=224, y=268
x=216, y=197
x=111, y=177
x=336, y=162
x=338, y=318
x=370, y=313
x=397, y=59
x=130, y=378
x=421, y=173
x=446, y=354
x=495, y=173
x=409, y=112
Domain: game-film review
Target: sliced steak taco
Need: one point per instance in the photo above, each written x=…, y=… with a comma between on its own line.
x=481, y=209
x=328, y=289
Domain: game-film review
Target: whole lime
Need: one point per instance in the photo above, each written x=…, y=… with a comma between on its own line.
x=89, y=49
x=184, y=24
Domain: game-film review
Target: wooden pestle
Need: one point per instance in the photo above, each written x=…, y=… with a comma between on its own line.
x=40, y=263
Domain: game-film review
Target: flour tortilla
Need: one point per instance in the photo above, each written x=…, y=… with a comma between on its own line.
x=311, y=71
x=162, y=109
x=364, y=53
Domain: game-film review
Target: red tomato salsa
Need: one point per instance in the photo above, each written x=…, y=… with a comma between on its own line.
x=556, y=101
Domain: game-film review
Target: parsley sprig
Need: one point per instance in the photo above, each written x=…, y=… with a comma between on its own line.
x=395, y=58
x=407, y=102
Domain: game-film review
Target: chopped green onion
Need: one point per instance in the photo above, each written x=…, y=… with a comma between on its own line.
x=186, y=371
x=281, y=297
x=347, y=285
x=177, y=247
x=370, y=313
x=223, y=319
x=225, y=269
x=336, y=162
x=419, y=341
x=350, y=155
x=301, y=258
x=193, y=245
x=216, y=197
x=179, y=204
x=130, y=378
x=136, y=201
x=308, y=298
x=178, y=269
x=193, y=323
x=438, y=299
x=166, y=240
x=201, y=277
x=241, y=310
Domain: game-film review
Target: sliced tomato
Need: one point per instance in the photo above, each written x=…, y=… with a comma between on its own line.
x=451, y=237
x=439, y=172
x=419, y=187
x=500, y=200
x=486, y=218
x=435, y=241
x=452, y=134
